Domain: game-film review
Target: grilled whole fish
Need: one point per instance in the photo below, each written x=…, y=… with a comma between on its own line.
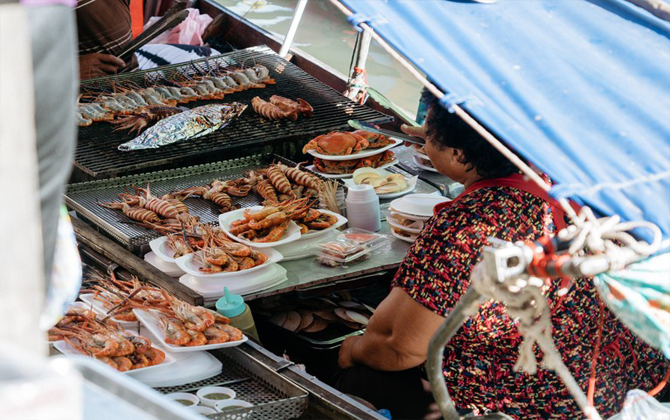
x=186, y=125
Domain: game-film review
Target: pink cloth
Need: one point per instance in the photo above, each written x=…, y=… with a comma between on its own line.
x=188, y=32
x=31, y=3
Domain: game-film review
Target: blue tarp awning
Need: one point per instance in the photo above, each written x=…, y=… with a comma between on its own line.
x=580, y=88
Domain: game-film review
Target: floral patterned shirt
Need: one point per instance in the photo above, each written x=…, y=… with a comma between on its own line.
x=479, y=359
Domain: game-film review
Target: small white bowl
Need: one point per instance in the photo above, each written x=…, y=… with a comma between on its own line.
x=205, y=411
x=184, y=396
x=222, y=405
x=211, y=402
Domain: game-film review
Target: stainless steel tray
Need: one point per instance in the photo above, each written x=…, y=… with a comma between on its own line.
x=273, y=396
x=84, y=197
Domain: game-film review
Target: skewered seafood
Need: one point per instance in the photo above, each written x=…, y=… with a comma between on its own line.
x=207, y=86
x=337, y=143
x=136, y=213
x=191, y=124
x=281, y=108
x=270, y=223
x=165, y=206
x=301, y=177
x=265, y=189
x=279, y=180
x=349, y=166
x=211, y=192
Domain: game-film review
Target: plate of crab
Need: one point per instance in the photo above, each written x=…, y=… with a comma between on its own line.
x=81, y=332
x=183, y=327
x=227, y=260
x=345, y=168
x=346, y=145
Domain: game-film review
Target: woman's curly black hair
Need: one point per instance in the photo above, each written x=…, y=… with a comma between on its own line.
x=449, y=130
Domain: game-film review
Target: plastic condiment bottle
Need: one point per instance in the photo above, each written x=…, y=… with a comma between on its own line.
x=233, y=307
x=363, y=208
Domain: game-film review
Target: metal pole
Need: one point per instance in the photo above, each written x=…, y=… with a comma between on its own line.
x=288, y=40
x=447, y=330
x=361, y=55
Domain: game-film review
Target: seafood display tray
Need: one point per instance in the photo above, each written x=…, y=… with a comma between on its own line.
x=97, y=154
x=84, y=197
x=273, y=397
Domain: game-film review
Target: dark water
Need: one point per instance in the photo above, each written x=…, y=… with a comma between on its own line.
x=325, y=34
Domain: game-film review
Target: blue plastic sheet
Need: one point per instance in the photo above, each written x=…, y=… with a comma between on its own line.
x=580, y=88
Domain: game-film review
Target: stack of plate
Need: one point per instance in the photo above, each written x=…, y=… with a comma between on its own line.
x=161, y=257
x=421, y=159
x=210, y=285
x=409, y=213
x=212, y=289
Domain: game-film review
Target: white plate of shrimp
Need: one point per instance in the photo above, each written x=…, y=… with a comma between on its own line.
x=152, y=355
x=198, y=264
x=99, y=308
x=290, y=234
x=175, y=337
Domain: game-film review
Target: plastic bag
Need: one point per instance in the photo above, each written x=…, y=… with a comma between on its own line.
x=640, y=405
x=189, y=32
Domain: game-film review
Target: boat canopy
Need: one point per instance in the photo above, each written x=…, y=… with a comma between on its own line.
x=579, y=88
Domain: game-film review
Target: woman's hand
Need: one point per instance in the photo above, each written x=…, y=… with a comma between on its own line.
x=345, y=359
x=99, y=65
x=415, y=132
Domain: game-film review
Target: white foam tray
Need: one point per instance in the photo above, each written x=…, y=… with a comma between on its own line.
x=150, y=321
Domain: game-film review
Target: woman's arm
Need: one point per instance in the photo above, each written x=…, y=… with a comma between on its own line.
x=396, y=338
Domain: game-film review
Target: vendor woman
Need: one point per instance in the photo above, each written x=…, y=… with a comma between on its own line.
x=383, y=365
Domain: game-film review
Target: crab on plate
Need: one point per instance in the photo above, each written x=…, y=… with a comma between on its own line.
x=338, y=143
x=349, y=166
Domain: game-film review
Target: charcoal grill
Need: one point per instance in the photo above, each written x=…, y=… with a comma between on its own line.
x=97, y=155
x=84, y=197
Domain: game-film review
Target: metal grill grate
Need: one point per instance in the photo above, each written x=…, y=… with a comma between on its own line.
x=84, y=197
x=97, y=153
x=272, y=396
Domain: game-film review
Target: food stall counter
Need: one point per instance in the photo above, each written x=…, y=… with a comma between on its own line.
x=306, y=273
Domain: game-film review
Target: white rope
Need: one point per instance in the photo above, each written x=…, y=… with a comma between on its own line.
x=600, y=236
x=525, y=302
